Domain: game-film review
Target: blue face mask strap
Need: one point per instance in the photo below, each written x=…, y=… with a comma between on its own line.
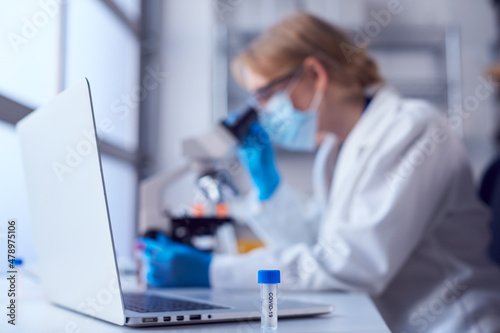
x=316, y=101
x=318, y=95
x=294, y=81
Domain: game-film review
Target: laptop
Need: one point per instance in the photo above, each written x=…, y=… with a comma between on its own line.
x=73, y=236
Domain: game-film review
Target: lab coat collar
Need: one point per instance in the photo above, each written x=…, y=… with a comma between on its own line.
x=323, y=168
x=363, y=137
x=374, y=119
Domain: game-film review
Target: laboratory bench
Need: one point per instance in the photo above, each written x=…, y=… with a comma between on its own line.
x=354, y=312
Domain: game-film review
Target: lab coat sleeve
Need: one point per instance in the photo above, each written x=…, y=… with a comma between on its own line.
x=364, y=243
x=282, y=220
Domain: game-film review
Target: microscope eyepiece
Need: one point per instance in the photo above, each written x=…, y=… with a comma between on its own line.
x=238, y=122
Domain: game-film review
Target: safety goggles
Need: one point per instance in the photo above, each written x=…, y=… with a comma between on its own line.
x=260, y=96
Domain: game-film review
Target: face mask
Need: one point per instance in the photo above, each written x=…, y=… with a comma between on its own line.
x=288, y=127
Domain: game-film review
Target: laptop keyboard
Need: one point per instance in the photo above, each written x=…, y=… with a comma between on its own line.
x=151, y=303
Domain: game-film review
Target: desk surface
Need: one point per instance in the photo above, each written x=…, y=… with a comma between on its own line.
x=354, y=312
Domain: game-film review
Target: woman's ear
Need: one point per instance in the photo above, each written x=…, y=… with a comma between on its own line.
x=319, y=72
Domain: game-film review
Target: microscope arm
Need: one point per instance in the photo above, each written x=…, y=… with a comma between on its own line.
x=201, y=151
x=151, y=210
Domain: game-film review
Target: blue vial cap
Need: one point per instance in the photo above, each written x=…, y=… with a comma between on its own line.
x=269, y=276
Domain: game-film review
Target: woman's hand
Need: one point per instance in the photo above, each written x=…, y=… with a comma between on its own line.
x=257, y=155
x=171, y=264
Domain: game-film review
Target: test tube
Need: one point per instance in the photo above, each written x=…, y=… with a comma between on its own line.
x=269, y=280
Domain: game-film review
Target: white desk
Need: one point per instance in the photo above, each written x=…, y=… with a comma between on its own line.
x=354, y=312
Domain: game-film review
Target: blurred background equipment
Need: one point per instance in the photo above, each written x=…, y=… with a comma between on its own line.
x=160, y=76
x=205, y=155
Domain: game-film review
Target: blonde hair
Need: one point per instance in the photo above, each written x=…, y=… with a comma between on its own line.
x=283, y=47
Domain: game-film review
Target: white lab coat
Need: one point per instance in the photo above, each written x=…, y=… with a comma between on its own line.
x=396, y=216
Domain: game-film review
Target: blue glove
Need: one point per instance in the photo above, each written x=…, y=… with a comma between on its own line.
x=257, y=155
x=171, y=264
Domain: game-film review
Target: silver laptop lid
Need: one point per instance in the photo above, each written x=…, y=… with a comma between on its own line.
x=69, y=213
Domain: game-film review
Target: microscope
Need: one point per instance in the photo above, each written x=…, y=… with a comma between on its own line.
x=203, y=154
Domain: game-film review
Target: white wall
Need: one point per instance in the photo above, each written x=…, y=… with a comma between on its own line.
x=28, y=75
x=186, y=93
